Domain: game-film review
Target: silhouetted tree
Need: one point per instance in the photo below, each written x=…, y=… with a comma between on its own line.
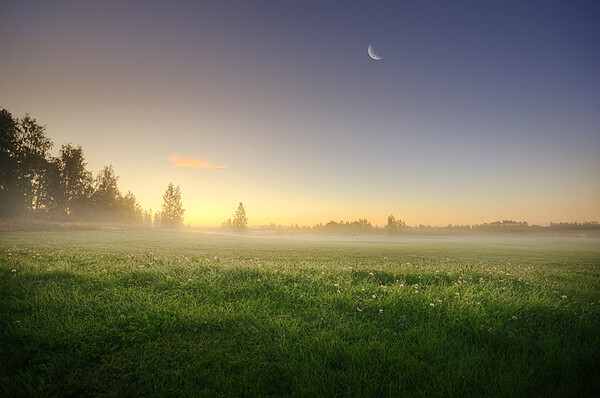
x=130, y=209
x=394, y=225
x=106, y=193
x=76, y=181
x=10, y=197
x=172, y=208
x=34, y=147
x=240, y=221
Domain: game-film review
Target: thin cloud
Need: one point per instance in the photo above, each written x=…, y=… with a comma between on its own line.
x=179, y=160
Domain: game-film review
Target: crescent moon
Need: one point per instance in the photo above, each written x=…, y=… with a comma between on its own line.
x=372, y=53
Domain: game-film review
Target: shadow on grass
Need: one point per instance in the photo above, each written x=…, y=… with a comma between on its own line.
x=151, y=334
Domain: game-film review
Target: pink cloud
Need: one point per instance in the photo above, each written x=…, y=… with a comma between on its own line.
x=179, y=160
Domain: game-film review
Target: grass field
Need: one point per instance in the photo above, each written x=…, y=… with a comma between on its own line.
x=151, y=313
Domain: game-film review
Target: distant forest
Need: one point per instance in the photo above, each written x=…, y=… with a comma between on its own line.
x=36, y=187
x=399, y=227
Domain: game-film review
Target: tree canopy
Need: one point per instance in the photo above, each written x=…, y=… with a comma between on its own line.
x=172, y=212
x=240, y=221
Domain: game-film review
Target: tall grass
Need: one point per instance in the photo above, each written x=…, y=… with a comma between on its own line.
x=148, y=313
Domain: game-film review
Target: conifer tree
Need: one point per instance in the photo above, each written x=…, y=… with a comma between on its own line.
x=240, y=221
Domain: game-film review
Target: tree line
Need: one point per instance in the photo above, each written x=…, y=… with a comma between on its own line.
x=35, y=184
x=396, y=226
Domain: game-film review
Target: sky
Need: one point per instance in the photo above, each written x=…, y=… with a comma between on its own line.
x=477, y=111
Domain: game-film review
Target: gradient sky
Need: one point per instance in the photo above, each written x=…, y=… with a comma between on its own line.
x=478, y=111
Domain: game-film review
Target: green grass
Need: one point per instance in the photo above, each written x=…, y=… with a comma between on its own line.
x=150, y=313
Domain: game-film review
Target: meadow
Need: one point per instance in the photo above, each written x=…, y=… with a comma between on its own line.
x=158, y=313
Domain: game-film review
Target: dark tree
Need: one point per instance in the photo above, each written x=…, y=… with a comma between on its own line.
x=9, y=164
x=106, y=194
x=131, y=211
x=33, y=147
x=77, y=182
x=171, y=215
x=394, y=225
x=240, y=221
